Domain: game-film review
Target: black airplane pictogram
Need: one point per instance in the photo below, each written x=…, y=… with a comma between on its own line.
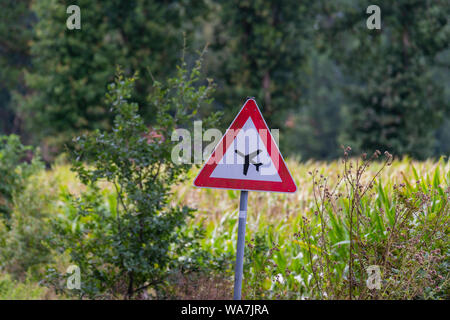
x=248, y=160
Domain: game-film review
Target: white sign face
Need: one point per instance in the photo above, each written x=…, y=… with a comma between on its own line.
x=259, y=165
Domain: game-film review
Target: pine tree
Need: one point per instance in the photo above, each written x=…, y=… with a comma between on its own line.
x=71, y=68
x=261, y=47
x=16, y=20
x=395, y=103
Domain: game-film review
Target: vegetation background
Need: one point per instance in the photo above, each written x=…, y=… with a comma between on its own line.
x=319, y=75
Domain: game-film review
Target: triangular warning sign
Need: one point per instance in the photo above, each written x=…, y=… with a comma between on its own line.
x=247, y=157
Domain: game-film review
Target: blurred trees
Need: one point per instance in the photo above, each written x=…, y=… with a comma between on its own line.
x=394, y=102
x=137, y=241
x=317, y=121
x=16, y=20
x=261, y=48
x=317, y=72
x=71, y=68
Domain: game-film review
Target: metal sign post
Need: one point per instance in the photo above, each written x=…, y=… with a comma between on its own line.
x=239, y=268
x=247, y=158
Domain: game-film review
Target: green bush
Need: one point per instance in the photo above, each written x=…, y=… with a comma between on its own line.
x=130, y=242
x=14, y=171
x=11, y=289
x=66, y=86
x=358, y=223
x=24, y=199
x=23, y=250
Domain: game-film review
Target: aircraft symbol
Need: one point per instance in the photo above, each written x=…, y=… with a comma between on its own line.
x=248, y=159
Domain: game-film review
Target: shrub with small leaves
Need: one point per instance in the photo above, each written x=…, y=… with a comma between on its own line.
x=127, y=240
x=14, y=171
x=22, y=209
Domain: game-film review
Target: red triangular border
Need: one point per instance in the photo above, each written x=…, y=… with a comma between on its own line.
x=204, y=179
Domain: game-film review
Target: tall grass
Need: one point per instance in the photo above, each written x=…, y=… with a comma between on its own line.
x=11, y=289
x=346, y=216
x=316, y=243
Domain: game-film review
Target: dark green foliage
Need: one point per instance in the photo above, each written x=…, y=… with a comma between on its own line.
x=443, y=77
x=395, y=102
x=71, y=68
x=130, y=241
x=16, y=20
x=23, y=249
x=313, y=128
x=317, y=72
x=261, y=48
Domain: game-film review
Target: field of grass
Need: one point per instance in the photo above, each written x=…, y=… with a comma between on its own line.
x=289, y=246
x=298, y=245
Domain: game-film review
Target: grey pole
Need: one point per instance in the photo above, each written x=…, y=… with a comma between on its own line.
x=240, y=246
